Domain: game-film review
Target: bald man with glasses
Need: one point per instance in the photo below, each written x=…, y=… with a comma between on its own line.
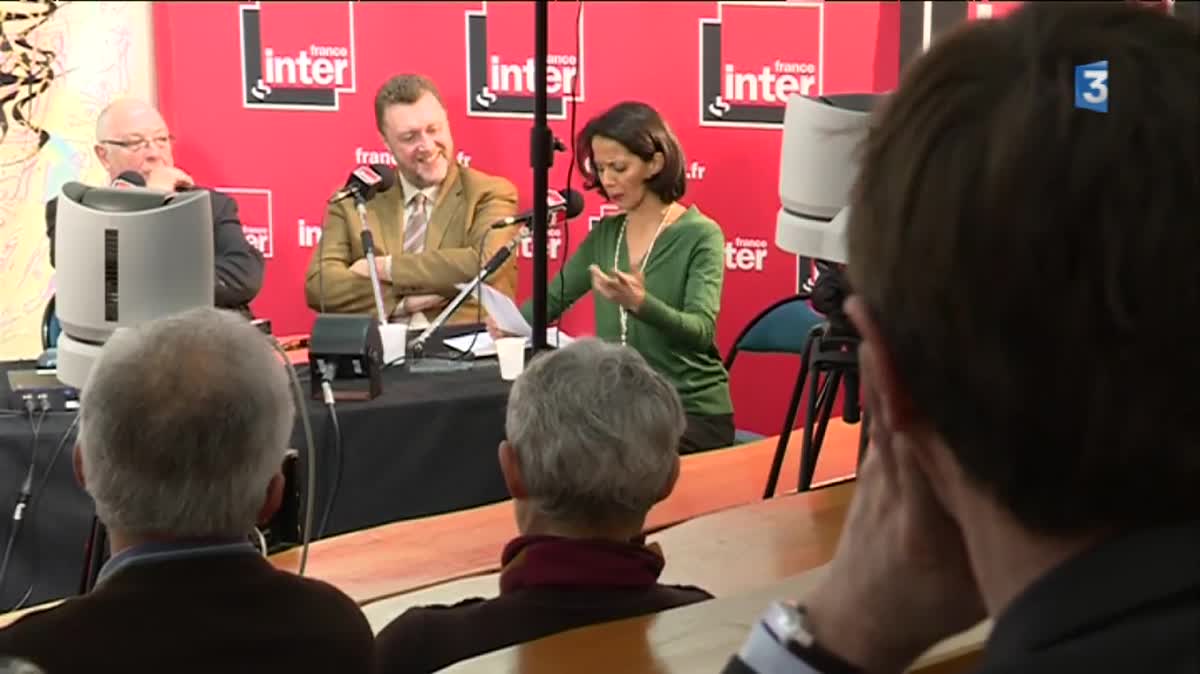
x=131, y=135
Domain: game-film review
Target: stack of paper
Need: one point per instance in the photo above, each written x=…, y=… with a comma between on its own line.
x=508, y=318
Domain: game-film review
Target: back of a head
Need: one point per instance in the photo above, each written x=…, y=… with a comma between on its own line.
x=596, y=431
x=183, y=422
x=1031, y=264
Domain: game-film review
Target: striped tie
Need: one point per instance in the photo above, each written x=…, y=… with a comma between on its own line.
x=414, y=232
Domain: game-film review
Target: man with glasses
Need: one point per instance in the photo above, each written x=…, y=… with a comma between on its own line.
x=131, y=135
x=431, y=229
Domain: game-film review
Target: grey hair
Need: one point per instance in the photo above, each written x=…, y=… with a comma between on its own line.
x=182, y=424
x=596, y=432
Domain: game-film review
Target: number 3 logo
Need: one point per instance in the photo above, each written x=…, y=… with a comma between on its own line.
x=1091, y=86
x=1098, y=83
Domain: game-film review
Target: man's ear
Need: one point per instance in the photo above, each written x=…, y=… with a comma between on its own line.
x=77, y=461
x=101, y=154
x=274, y=498
x=510, y=468
x=671, y=481
x=878, y=370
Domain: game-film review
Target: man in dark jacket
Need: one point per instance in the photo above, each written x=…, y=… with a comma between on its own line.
x=183, y=428
x=131, y=135
x=1035, y=452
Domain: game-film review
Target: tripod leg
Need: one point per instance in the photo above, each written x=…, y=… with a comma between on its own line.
x=828, y=396
x=789, y=421
x=816, y=392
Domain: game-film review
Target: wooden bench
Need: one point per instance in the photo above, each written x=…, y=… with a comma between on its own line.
x=404, y=556
x=692, y=639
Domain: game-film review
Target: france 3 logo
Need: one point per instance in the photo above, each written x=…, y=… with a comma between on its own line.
x=1091, y=86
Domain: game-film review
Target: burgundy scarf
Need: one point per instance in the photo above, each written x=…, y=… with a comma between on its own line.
x=538, y=561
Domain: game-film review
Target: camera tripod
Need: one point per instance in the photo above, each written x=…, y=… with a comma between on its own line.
x=831, y=360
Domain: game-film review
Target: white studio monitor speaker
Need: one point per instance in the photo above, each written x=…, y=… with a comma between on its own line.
x=818, y=167
x=126, y=256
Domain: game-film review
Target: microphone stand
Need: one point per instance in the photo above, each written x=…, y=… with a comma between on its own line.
x=417, y=346
x=541, y=149
x=368, y=243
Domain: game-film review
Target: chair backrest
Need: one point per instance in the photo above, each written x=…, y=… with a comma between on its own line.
x=782, y=327
x=51, y=328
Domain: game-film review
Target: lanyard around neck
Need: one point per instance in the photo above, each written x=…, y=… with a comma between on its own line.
x=641, y=267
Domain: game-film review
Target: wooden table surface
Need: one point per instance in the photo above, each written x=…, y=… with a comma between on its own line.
x=404, y=556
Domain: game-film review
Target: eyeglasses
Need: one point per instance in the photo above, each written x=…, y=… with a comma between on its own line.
x=142, y=144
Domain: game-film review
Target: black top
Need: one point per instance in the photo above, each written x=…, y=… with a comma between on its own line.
x=233, y=613
x=238, y=266
x=1131, y=604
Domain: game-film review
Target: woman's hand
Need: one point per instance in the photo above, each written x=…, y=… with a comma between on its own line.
x=627, y=290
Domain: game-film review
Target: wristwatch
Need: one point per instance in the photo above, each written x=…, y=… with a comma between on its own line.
x=788, y=623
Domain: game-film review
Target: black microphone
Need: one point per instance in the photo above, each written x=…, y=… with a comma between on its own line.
x=568, y=200
x=129, y=179
x=365, y=181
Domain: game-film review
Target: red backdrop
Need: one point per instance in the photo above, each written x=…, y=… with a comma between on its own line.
x=273, y=103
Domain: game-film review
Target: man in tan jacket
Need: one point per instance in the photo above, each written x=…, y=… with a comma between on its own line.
x=428, y=227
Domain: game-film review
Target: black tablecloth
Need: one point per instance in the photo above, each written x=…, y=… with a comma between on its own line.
x=426, y=446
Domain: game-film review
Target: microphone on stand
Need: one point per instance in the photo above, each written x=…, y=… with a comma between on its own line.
x=128, y=179
x=364, y=182
x=368, y=244
x=569, y=201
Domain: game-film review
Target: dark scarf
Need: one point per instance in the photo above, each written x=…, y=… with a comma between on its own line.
x=539, y=561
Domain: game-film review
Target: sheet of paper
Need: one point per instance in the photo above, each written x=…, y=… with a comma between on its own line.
x=484, y=346
x=506, y=314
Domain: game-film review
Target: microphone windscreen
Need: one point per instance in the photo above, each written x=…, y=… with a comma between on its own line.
x=574, y=202
x=387, y=176
x=129, y=179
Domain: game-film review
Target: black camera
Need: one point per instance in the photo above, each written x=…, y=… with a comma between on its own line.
x=829, y=293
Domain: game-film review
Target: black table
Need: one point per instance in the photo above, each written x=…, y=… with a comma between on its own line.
x=428, y=445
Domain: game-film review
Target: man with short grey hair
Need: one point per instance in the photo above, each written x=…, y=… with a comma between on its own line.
x=592, y=443
x=184, y=423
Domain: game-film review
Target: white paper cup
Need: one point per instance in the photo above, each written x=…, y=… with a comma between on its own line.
x=395, y=339
x=511, y=353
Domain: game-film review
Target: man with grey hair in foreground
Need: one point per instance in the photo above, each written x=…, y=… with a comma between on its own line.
x=592, y=443
x=184, y=423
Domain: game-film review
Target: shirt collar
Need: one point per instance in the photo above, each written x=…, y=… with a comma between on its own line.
x=1080, y=594
x=164, y=551
x=411, y=191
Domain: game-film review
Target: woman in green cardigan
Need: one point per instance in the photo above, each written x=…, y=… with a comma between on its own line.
x=656, y=268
